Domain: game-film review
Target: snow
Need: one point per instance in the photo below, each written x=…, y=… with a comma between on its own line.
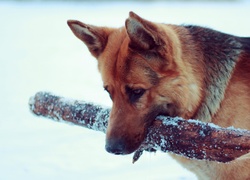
x=40, y=53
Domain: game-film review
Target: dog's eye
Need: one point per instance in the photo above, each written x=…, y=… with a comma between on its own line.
x=138, y=92
x=134, y=94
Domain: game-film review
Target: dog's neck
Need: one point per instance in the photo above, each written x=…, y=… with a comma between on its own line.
x=218, y=58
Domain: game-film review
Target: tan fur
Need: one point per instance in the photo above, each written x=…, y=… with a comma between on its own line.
x=171, y=69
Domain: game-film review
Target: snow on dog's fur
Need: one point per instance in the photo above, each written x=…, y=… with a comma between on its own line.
x=152, y=69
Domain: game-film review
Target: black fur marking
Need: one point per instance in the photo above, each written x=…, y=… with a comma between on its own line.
x=245, y=43
x=220, y=53
x=148, y=71
x=153, y=77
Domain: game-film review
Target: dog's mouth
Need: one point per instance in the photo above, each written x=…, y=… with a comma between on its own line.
x=130, y=144
x=163, y=114
x=150, y=123
x=168, y=110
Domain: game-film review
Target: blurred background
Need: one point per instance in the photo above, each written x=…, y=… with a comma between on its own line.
x=120, y=0
x=38, y=52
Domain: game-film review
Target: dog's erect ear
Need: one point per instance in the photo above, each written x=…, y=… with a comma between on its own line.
x=142, y=33
x=94, y=37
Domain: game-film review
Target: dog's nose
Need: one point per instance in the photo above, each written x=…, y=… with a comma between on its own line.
x=115, y=146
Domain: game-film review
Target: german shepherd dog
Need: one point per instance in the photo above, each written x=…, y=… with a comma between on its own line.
x=152, y=69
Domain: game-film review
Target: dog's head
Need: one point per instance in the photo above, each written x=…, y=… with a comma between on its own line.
x=143, y=72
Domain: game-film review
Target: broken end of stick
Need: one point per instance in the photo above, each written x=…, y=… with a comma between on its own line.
x=40, y=103
x=137, y=155
x=33, y=100
x=31, y=103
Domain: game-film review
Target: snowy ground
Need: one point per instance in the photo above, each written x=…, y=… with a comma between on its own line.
x=39, y=52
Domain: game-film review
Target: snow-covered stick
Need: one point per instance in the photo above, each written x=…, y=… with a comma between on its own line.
x=68, y=110
x=189, y=138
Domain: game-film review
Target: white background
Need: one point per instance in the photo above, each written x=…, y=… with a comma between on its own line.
x=38, y=52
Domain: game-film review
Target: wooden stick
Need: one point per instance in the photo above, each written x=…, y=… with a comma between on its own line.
x=189, y=138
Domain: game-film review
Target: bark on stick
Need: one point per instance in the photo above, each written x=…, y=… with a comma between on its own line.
x=189, y=138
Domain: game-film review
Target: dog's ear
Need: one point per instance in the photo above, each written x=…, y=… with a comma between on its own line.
x=94, y=37
x=143, y=34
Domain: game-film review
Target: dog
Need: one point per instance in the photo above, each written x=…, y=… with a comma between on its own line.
x=151, y=69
